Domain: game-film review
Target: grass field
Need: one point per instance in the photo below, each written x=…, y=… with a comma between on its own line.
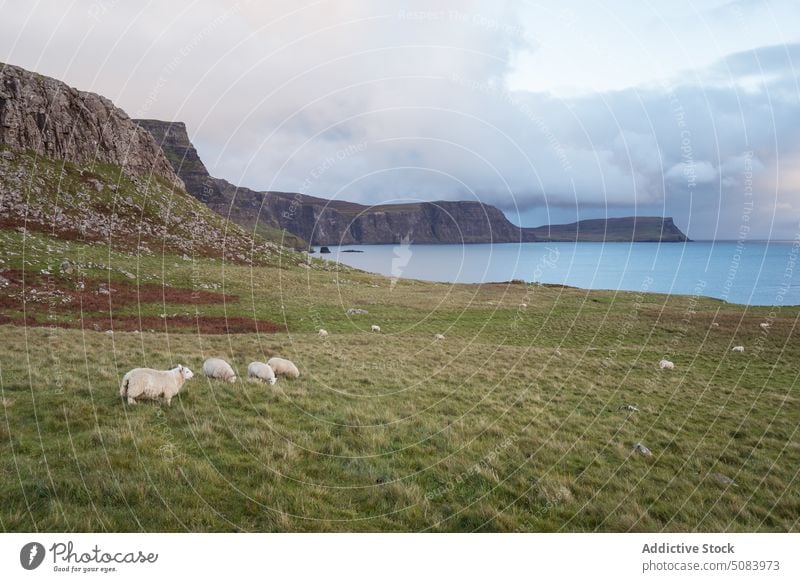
x=513, y=423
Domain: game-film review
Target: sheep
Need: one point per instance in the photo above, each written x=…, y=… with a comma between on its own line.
x=438, y=337
x=764, y=325
x=283, y=367
x=715, y=324
x=261, y=371
x=666, y=365
x=738, y=349
x=219, y=369
x=376, y=328
x=322, y=334
x=149, y=384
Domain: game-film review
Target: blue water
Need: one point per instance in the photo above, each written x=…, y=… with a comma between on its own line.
x=754, y=273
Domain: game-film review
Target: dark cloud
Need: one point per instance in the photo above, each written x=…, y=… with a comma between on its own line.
x=370, y=102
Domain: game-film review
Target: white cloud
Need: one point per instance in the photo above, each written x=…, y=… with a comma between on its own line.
x=272, y=91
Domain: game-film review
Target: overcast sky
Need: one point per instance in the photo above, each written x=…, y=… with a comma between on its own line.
x=551, y=110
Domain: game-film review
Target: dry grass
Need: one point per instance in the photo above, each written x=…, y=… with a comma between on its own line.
x=510, y=424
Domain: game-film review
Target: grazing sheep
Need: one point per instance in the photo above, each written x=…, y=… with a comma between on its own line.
x=642, y=450
x=523, y=306
x=261, y=371
x=764, y=325
x=323, y=334
x=149, y=384
x=666, y=365
x=438, y=337
x=738, y=349
x=629, y=408
x=723, y=479
x=715, y=324
x=376, y=328
x=219, y=369
x=283, y=367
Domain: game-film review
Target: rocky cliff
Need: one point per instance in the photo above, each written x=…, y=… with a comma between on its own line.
x=54, y=120
x=178, y=149
x=74, y=166
x=625, y=229
x=333, y=222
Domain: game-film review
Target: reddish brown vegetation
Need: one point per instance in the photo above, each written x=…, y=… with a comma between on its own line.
x=199, y=323
x=93, y=306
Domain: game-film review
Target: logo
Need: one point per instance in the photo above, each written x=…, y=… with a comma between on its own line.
x=401, y=257
x=31, y=555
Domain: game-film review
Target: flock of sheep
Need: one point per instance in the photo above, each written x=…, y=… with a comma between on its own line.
x=149, y=384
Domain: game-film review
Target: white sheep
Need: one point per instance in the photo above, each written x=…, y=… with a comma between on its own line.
x=738, y=349
x=149, y=384
x=376, y=328
x=764, y=325
x=219, y=369
x=715, y=324
x=666, y=365
x=261, y=371
x=438, y=337
x=283, y=367
x=323, y=334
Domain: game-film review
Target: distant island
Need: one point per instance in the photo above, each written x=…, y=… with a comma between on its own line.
x=310, y=220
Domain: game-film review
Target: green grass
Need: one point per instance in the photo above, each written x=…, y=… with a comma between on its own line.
x=510, y=424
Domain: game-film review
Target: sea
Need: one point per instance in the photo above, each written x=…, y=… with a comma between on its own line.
x=744, y=272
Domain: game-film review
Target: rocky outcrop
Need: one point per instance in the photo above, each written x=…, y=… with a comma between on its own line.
x=75, y=167
x=174, y=140
x=241, y=205
x=335, y=222
x=625, y=229
x=56, y=121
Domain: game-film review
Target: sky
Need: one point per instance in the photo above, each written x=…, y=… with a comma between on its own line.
x=551, y=110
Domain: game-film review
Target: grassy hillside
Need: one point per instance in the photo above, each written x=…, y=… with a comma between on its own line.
x=512, y=423
x=98, y=203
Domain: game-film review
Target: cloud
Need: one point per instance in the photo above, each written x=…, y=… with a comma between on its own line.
x=373, y=102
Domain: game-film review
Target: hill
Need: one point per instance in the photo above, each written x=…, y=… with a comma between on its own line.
x=335, y=222
x=524, y=419
x=514, y=422
x=625, y=229
x=74, y=166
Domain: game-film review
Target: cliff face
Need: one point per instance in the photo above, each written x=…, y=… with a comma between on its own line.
x=627, y=229
x=179, y=151
x=333, y=222
x=73, y=166
x=56, y=121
